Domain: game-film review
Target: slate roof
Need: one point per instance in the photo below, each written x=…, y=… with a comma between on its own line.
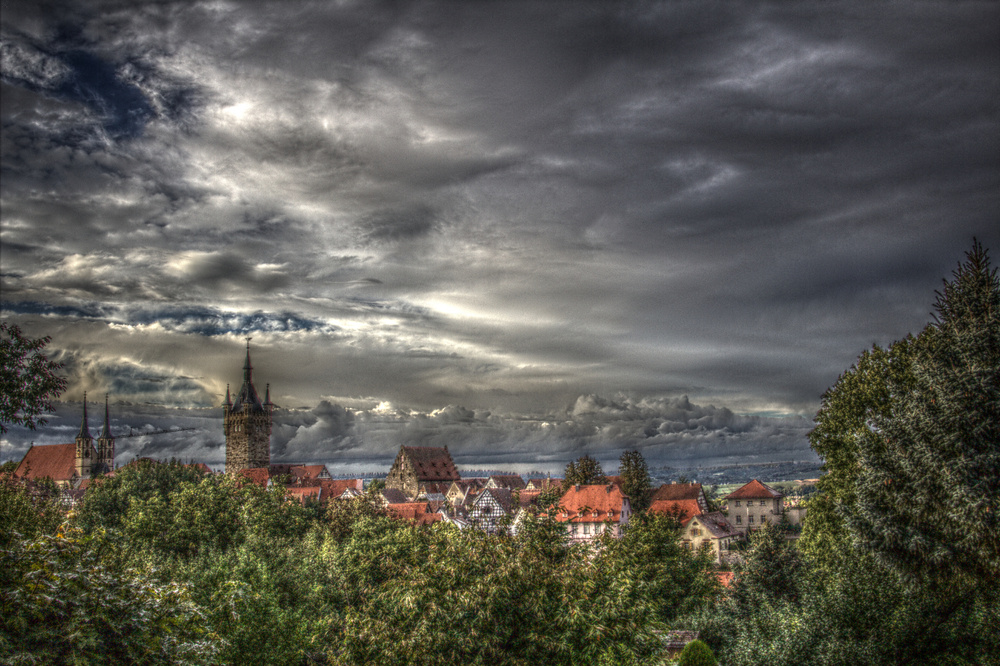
x=248, y=393
x=677, y=491
x=53, y=461
x=683, y=509
x=591, y=504
x=394, y=496
x=755, y=490
x=431, y=463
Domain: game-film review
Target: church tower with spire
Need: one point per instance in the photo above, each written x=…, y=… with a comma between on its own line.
x=247, y=424
x=86, y=455
x=105, y=444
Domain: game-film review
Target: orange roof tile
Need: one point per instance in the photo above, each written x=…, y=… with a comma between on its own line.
x=53, y=461
x=754, y=490
x=683, y=509
x=302, y=493
x=258, y=475
x=408, y=510
x=677, y=491
x=591, y=504
x=336, y=487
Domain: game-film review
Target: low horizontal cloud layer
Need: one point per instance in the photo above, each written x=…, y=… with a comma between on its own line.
x=667, y=431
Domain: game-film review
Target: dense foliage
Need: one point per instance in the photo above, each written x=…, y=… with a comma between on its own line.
x=635, y=481
x=899, y=552
x=172, y=566
x=584, y=470
x=28, y=379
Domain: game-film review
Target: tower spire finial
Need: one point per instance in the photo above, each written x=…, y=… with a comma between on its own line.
x=84, y=429
x=247, y=368
x=106, y=432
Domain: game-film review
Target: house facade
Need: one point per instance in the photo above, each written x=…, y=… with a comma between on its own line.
x=712, y=531
x=591, y=510
x=491, y=508
x=416, y=465
x=754, y=504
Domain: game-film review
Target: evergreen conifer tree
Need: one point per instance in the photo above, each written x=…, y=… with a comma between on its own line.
x=928, y=482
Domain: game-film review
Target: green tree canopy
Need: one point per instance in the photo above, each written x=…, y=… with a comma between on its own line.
x=28, y=379
x=635, y=483
x=927, y=479
x=584, y=470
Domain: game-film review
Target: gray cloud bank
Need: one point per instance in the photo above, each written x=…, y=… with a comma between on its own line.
x=499, y=205
x=671, y=431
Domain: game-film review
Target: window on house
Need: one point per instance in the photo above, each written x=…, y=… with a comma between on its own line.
x=763, y=502
x=586, y=528
x=737, y=502
x=762, y=518
x=739, y=520
x=750, y=519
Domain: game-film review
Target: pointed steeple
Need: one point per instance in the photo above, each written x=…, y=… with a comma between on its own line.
x=229, y=401
x=84, y=429
x=267, y=395
x=106, y=431
x=247, y=368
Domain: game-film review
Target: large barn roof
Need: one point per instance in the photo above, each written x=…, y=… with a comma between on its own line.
x=431, y=463
x=53, y=461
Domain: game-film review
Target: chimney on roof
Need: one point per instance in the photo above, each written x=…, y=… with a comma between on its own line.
x=577, y=487
x=608, y=489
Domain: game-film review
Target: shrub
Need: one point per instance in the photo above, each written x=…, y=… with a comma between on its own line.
x=697, y=653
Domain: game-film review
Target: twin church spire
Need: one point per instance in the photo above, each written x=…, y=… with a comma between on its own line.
x=90, y=460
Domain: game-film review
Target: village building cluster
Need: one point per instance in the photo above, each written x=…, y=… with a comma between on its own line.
x=424, y=485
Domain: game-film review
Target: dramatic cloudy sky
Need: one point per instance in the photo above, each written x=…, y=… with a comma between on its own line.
x=527, y=230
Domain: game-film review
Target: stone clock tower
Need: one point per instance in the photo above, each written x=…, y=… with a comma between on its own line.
x=247, y=423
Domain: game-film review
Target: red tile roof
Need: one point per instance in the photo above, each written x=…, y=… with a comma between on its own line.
x=591, y=504
x=683, y=509
x=754, y=490
x=53, y=461
x=202, y=467
x=416, y=512
x=431, y=463
x=677, y=491
x=258, y=475
x=336, y=487
x=304, y=473
x=302, y=493
x=725, y=577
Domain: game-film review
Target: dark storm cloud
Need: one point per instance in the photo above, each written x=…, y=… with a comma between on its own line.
x=504, y=206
